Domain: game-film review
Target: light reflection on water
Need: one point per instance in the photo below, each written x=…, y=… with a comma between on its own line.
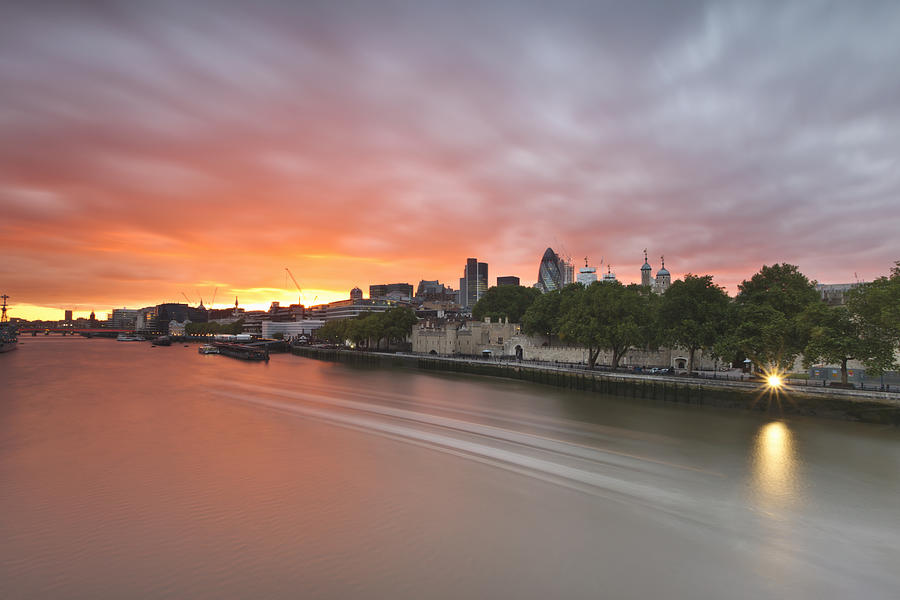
x=133, y=472
x=775, y=465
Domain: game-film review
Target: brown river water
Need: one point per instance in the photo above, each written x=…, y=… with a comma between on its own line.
x=128, y=471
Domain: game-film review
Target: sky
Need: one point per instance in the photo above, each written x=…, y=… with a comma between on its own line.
x=154, y=149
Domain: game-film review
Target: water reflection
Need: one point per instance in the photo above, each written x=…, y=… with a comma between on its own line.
x=210, y=478
x=775, y=465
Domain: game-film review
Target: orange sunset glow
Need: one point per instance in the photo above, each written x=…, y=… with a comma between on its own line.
x=155, y=150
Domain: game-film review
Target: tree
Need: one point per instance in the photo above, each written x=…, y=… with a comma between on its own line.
x=398, y=323
x=233, y=328
x=505, y=301
x=693, y=314
x=651, y=329
x=837, y=336
x=769, y=326
x=210, y=328
x=364, y=328
x=334, y=332
x=604, y=316
x=877, y=305
x=542, y=317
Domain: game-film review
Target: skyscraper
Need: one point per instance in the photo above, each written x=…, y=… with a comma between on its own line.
x=474, y=282
x=554, y=272
x=508, y=280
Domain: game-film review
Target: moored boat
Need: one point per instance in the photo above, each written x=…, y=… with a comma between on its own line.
x=124, y=337
x=208, y=349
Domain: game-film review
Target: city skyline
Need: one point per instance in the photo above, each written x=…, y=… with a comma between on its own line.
x=150, y=150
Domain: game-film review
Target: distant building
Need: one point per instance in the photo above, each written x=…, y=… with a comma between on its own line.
x=609, y=276
x=508, y=280
x=178, y=329
x=123, y=318
x=292, y=329
x=253, y=320
x=429, y=289
x=834, y=294
x=436, y=292
x=278, y=313
x=225, y=315
x=474, y=282
x=587, y=275
x=399, y=291
x=554, y=272
x=68, y=315
x=356, y=294
x=156, y=319
x=663, y=279
x=346, y=309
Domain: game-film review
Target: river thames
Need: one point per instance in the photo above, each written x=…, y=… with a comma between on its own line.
x=128, y=471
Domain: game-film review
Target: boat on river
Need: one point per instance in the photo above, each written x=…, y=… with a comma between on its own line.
x=242, y=351
x=124, y=337
x=207, y=349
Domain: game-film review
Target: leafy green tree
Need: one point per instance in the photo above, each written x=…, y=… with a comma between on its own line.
x=211, y=328
x=877, y=305
x=233, y=328
x=505, y=301
x=652, y=333
x=693, y=314
x=334, y=332
x=769, y=326
x=360, y=330
x=604, y=316
x=542, y=317
x=398, y=323
x=838, y=336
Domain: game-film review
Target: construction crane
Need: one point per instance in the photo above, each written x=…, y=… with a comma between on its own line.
x=186, y=298
x=214, y=297
x=300, y=300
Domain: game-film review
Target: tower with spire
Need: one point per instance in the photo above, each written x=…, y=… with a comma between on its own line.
x=663, y=279
x=646, y=270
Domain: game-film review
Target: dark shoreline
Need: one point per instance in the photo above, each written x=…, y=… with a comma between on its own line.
x=832, y=405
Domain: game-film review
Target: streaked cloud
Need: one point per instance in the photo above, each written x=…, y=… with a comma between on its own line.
x=145, y=147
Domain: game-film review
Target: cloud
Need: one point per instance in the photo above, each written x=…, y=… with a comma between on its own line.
x=156, y=145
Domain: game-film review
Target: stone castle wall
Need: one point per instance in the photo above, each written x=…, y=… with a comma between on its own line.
x=473, y=338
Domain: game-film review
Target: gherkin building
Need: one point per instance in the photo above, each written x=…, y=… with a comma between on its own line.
x=551, y=273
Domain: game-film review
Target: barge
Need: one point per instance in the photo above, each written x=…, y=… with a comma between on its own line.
x=241, y=351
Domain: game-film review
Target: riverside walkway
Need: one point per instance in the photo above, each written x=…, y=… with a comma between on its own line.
x=810, y=387
x=861, y=405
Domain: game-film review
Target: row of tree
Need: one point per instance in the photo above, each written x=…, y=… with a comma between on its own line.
x=213, y=328
x=776, y=316
x=371, y=329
